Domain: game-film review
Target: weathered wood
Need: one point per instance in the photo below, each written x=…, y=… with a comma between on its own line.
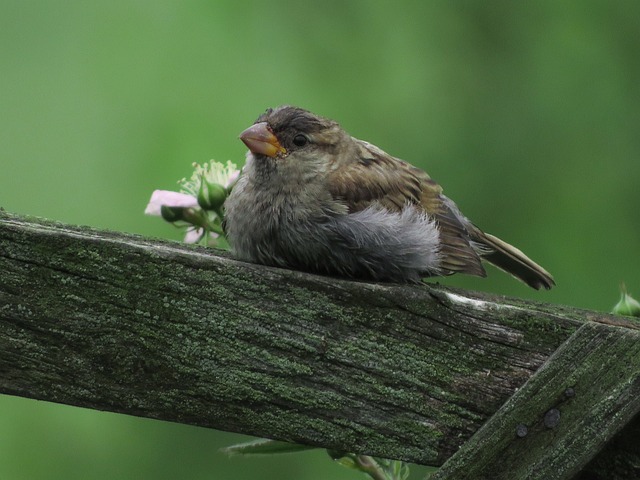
x=620, y=459
x=164, y=330
x=563, y=416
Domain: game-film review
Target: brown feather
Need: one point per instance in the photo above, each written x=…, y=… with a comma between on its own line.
x=375, y=177
x=511, y=260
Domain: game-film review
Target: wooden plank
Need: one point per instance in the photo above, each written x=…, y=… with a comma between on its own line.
x=164, y=330
x=620, y=459
x=563, y=416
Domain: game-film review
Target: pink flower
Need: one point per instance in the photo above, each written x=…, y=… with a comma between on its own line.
x=169, y=199
x=210, y=183
x=194, y=235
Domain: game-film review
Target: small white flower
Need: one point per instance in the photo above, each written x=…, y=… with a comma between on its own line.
x=212, y=172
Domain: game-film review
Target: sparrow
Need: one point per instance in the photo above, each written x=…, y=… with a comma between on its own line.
x=311, y=197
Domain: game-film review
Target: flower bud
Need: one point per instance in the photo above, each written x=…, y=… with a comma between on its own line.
x=627, y=305
x=172, y=214
x=211, y=196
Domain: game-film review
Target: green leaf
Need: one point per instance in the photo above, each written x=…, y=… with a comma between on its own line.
x=264, y=446
x=627, y=305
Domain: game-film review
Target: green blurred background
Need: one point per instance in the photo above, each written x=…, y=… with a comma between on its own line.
x=527, y=112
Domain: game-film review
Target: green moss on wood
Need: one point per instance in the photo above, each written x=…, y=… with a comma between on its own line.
x=181, y=333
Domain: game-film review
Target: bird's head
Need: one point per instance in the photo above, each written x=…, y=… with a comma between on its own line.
x=292, y=140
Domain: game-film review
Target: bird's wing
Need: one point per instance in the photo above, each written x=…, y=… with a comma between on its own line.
x=377, y=178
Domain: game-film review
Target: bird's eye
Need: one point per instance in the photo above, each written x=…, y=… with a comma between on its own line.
x=300, y=140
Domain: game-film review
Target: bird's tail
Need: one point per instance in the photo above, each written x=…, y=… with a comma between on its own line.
x=513, y=261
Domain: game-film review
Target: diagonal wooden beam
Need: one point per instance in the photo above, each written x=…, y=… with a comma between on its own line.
x=563, y=416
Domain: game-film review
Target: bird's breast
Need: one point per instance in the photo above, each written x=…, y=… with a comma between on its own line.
x=263, y=220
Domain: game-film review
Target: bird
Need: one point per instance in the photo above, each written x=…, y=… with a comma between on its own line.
x=311, y=197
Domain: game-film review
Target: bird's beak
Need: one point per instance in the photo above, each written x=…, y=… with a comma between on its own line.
x=260, y=139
